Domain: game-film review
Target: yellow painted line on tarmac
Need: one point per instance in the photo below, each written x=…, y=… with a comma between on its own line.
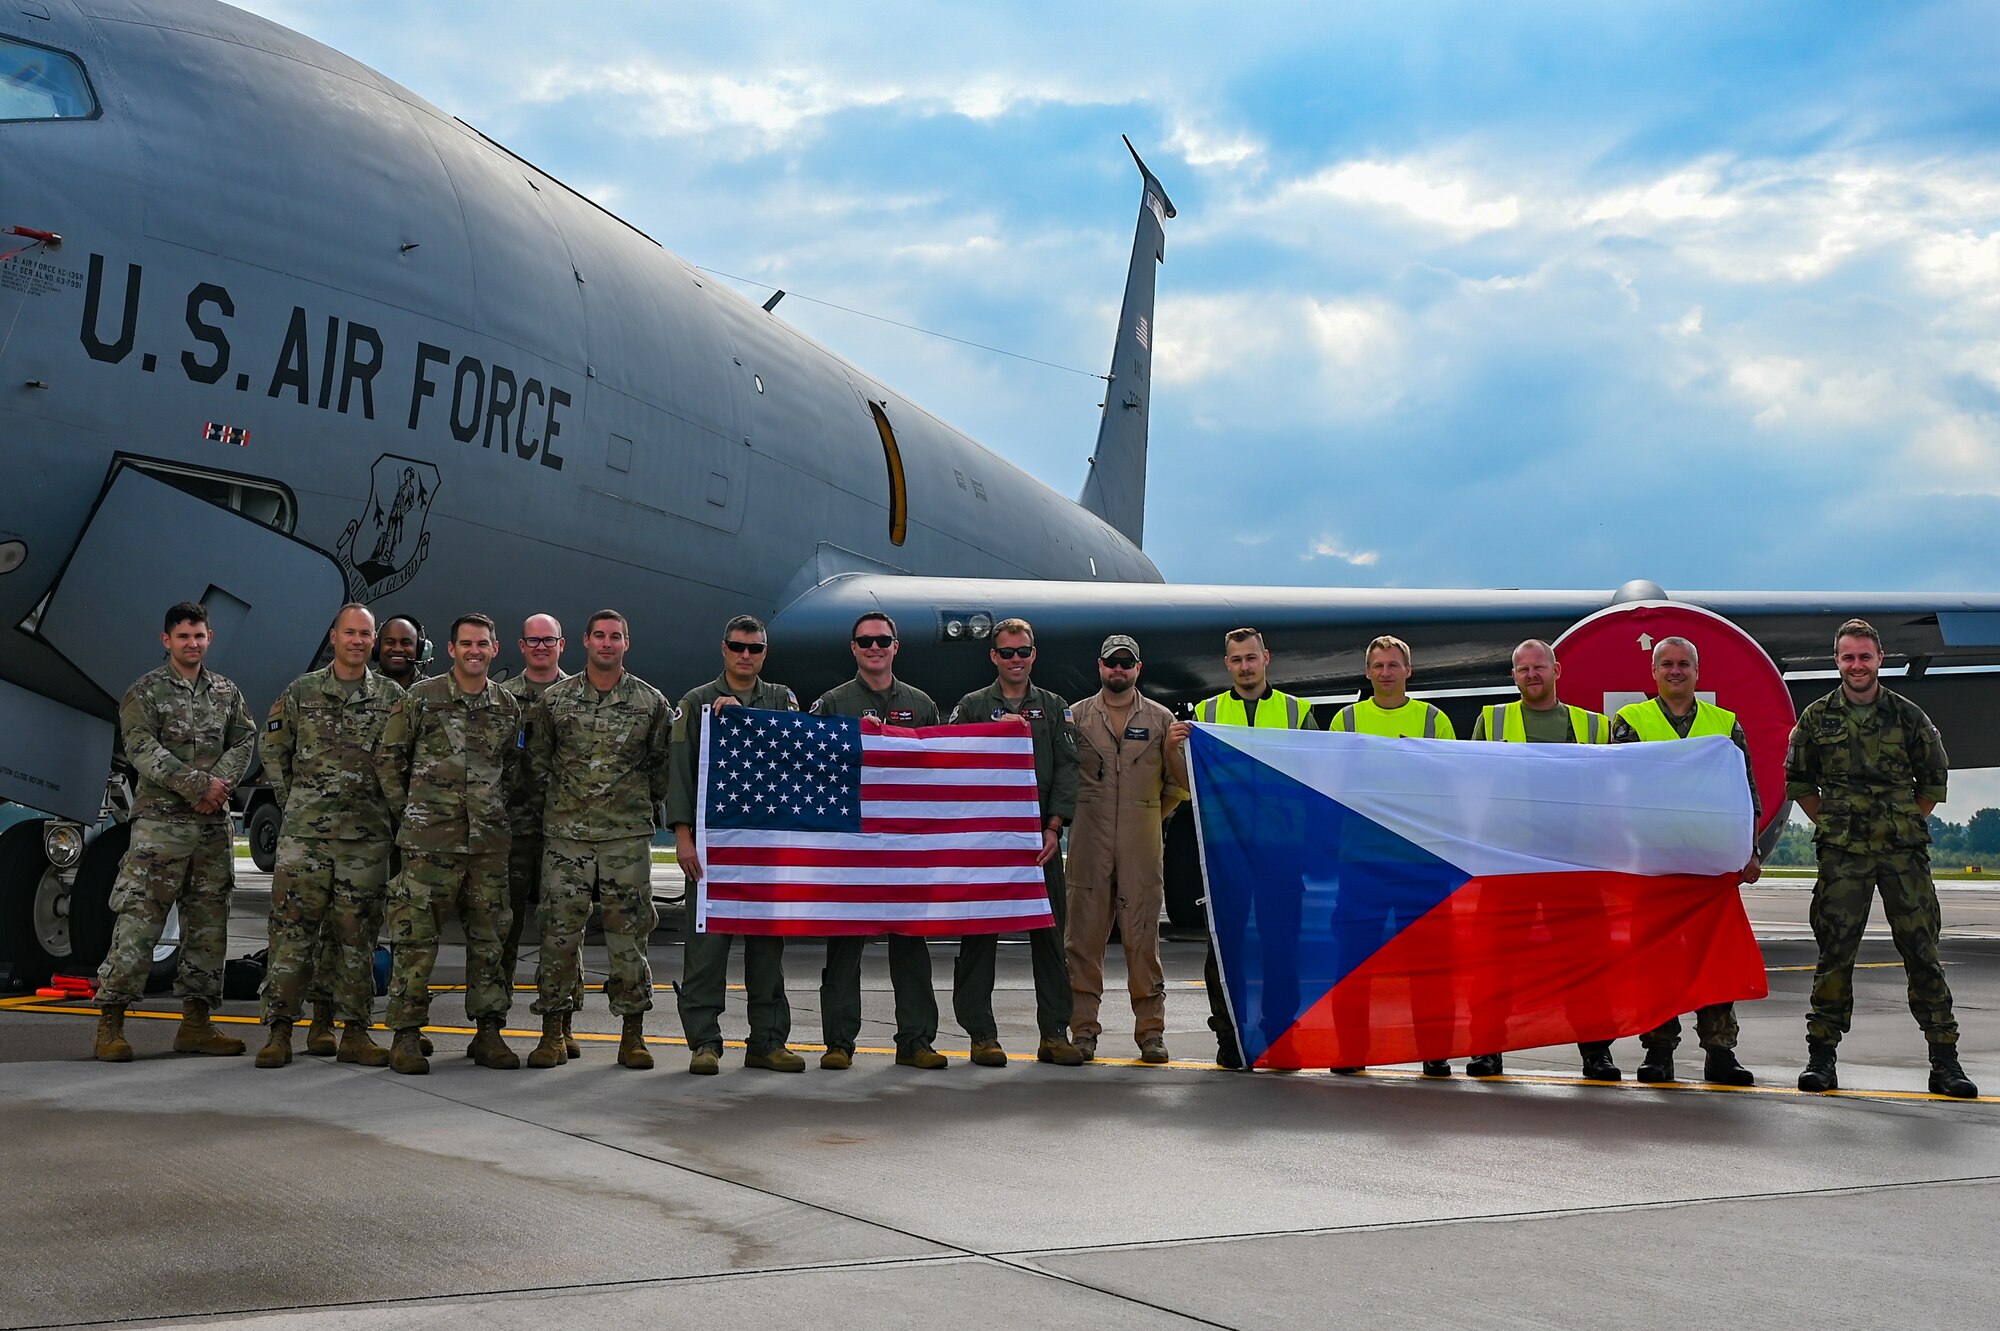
x=1859, y=965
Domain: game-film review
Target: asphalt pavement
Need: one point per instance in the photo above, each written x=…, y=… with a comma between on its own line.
x=1114, y=1195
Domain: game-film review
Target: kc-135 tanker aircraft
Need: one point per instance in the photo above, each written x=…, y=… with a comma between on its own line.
x=279, y=334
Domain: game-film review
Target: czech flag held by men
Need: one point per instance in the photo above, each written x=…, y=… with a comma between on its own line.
x=1388, y=900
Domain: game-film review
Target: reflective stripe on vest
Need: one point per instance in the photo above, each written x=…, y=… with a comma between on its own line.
x=1227, y=709
x=1585, y=727
x=1650, y=721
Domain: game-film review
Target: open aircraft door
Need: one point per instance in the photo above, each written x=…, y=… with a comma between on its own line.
x=270, y=596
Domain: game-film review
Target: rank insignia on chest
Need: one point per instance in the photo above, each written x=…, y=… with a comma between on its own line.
x=1138, y=732
x=901, y=716
x=870, y=715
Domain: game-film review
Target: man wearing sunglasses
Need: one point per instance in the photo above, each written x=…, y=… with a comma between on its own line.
x=1048, y=718
x=541, y=644
x=705, y=959
x=875, y=691
x=1133, y=770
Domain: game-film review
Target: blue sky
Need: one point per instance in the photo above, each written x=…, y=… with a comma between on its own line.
x=1497, y=290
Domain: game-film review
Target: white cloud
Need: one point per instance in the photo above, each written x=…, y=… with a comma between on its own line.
x=1423, y=192
x=1956, y=455
x=1960, y=263
x=1330, y=546
x=1199, y=146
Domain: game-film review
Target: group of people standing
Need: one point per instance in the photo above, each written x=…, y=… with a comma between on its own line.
x=408, y=801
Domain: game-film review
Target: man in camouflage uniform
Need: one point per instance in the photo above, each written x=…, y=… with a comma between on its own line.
x=333, y=847
x=1048, y=718
x=1867, y=766
x=875, y=691
x=597, y=758
x=705, y=959
x=187, y=733
x=1675, y=712
x=541, y=665
x=448, y=761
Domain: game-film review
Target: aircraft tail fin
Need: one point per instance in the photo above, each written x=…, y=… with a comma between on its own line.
x=1115, y=489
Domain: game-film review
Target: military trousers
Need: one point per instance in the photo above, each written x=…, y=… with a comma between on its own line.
x=618, y=875
x=1841, y=897
x=524, y=889
x=705, y=982
x=909, y=976
x=191, y=865
x=326, y=895
x=432, y=886
x=1087, y=933
x=1714, y=1026
x=978, y=957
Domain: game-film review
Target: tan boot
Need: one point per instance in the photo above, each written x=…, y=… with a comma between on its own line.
x=406, y=1055
x=550, y=1053
x=277, y=1050
x=570, y=1047
x=198, y=1035
x=319, y=1035
x=358, y=1046
x=632, y=1051
x=488, y=1050
x=111, y=1046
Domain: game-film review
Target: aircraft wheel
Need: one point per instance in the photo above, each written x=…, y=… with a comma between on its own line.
x=1183, y=869
x=34, y=907
x=263, y=834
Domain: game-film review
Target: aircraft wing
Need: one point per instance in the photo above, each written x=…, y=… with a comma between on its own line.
x=1461, y=638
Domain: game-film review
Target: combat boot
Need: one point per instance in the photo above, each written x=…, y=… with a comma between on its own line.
x=111, y=1046
x=198, y=1035
x=923, y=1056
x=358, y=1046
x=319, y=1035
x=1087, y=1046
x=632, y=1051
x=488, y=1050
x=1485, y=1065
x=1658, y=1066
x=1153, y=1051
x=552, y=1052
x=1720, y=1068
x=836, y=1059
x=1228, y=1054
x=1819, y=1074
x=571, y=1049
x=775, y=1059
x=1947, y=1077
x=406, y=1053
x=705, y=1062
x=277, y=1050
x=1058, y=1050
x=1597, y=1066
x=988, y=1054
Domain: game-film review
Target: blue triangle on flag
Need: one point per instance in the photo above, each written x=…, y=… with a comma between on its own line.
x=1301, y=889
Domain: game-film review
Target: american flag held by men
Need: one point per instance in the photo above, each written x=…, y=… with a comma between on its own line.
x=812, y=825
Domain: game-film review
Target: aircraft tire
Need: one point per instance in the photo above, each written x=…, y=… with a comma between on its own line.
x=23, y=867
x=1183, y=872
x=262, y=832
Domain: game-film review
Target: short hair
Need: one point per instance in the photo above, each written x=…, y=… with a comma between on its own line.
x=1016, y=625
x=1857, y=628
x=353, y=605
x=1234, y=636
x=873, y=614
x=745, y=624
x=483, y=621
x=543, y=614
x=603, y=615
x=184, y=612
x=1677, y=641
x=1525, y=643
x=411, y=620
x=1388, y=642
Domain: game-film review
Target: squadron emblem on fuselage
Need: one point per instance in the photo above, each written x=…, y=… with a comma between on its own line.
x=383, y=548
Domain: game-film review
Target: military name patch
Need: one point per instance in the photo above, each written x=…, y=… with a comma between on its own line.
x=901, y=715
x=1138, y=732
x=1033, y=713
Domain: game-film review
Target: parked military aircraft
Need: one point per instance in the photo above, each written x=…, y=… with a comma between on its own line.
x=282, y=334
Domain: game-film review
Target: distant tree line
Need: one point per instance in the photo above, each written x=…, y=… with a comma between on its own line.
x=1975, y=841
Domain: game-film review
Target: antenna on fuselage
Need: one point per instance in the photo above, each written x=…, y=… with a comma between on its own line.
x=1115, y=489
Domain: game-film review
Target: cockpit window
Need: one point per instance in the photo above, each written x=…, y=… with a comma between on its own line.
x=39, y=84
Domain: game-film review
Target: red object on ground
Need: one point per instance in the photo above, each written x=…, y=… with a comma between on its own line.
x=1607, y=661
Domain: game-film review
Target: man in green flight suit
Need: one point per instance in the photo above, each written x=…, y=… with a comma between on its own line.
x=1867, y=766
x=187, y=732
x=1048, y=719
x=1676, y=713
x=332, y=874
x=705, y=959
x=597, y=754
x=875, y=691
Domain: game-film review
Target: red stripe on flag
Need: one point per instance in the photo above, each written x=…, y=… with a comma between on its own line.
x=948, y=759
x=723, y=893
x=912, y=928
x=876, y=790
x=813, y=857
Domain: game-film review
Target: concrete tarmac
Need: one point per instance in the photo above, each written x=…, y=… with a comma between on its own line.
x=1114, y=1195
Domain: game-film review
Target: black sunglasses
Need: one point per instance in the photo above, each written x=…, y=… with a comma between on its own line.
x=754, y=648
x=1119, y=662
x=874, y=639
x=1009, y=653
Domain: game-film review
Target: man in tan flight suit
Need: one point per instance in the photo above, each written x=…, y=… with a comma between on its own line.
x=1132, y=771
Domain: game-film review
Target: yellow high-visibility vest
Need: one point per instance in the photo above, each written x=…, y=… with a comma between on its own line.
x=1504, y=722
x=1226, y=709
x=1651, y=722
x=1415, y=719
